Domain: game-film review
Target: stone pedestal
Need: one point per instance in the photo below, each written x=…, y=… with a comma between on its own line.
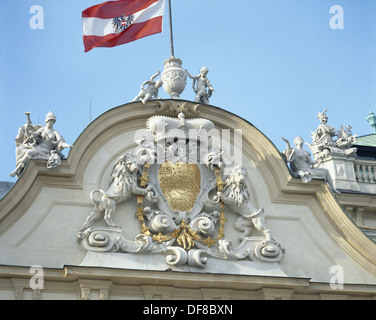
x=341, y=168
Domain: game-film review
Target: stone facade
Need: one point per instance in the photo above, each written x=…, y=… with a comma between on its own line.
x=303, y=246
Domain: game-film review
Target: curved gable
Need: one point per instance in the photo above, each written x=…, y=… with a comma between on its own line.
x=43, y=212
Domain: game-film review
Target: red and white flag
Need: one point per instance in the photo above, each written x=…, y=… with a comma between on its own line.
x=113, y=23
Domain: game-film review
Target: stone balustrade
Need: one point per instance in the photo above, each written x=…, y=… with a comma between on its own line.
x=365, y=171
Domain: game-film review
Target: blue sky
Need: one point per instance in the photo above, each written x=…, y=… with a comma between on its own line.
x=276, y=63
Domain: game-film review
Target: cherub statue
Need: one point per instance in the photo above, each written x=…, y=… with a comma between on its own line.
x=202, y=95
x=151, y=90
x=302, y=165
x=39, y=142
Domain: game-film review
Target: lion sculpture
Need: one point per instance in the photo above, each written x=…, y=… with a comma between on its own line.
x=123, y=185
x=236, y=196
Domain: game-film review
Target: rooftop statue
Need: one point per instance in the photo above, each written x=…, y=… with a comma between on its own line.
x=151, y=90
x=173, y=79
x=345, y=138
x=324, y=133
x=202, y=94
x=323, y=144
x=303, y=166
x=39, y=142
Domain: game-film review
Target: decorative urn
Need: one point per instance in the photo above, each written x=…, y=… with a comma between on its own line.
x=174, y=77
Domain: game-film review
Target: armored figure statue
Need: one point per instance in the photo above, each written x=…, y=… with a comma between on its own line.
x=202, y=95
x=324, y=133
x=39, y=142
x=323, y=144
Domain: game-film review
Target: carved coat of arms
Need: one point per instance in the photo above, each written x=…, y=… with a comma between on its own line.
x=182, y=197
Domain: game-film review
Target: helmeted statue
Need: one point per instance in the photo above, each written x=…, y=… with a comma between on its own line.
x=39, y=142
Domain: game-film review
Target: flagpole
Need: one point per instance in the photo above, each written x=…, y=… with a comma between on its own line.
x=171, y=37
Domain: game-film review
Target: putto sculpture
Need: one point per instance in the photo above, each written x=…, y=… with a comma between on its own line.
x=174, y=79
x=151, y=90
x=201, y=86
x=39, y=142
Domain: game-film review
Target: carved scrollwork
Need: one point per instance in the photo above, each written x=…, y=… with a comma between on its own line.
x=269, y=252
x=171, y=107
x=196, y=258
x=159, y=222
x=173, y=206
x=204, y=224
x=226, y=248
x=101, y=238
x=142, y=243
x=177, y=256
x=105, y=239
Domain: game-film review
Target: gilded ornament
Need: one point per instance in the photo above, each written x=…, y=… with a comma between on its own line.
x=180, y=182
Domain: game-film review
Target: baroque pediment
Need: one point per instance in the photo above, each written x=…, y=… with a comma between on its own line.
x=186, y=193
x=217, y=199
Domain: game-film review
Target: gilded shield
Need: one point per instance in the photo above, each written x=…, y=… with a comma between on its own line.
x=180, y=183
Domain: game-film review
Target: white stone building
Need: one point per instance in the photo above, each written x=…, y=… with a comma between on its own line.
x=179, y=239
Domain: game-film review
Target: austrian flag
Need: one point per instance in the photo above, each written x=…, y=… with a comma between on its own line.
x=113, y=23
